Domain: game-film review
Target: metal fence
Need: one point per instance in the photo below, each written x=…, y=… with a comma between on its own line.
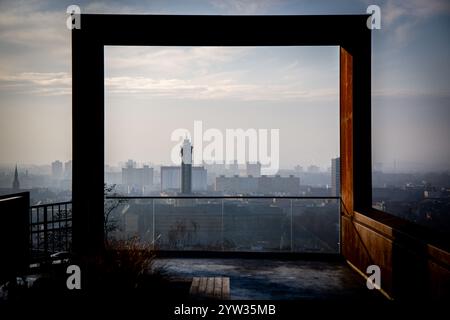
x=50, y=228
x=228, y=223
x=211, y=223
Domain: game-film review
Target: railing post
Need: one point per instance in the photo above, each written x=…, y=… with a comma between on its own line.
x=45, y=231
x=60, y=234
x=52, y=228
x=153, y=223
x=222, y=228
x=30, y=229
x=292, y=222
x=66, y=231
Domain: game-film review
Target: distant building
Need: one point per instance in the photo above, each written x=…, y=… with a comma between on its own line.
x=298, y=169
x=199, y=179
x=253, y=169
x=113, y=177
x=215, y=168
x=313, y=169
x=171, y=178
x=233, y=168
x=137, y=178
x=68, y=169
x=335, y=177
x=130, y=164
x=186, y=167
x=57, y=169
x=237, y=184
x=267, y=184
x=260, y=185
x=16, y=184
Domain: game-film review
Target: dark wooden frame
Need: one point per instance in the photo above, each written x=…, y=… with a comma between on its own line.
x=347, y=31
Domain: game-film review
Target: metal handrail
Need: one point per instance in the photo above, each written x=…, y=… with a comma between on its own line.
x=221, y=197
x=50, y=204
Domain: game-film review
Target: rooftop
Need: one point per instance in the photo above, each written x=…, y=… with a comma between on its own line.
x=271, y=279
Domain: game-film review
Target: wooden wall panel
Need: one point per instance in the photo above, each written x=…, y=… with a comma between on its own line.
x=346, y=130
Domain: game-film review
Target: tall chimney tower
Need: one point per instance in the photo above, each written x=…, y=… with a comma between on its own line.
x=186, y=167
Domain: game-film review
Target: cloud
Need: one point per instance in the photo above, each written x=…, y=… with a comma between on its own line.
x=393, y=10
x=33, y=37
x=197, y=73
x=213, y=87
x=217, y=73
x=244, y=6
x=409, y=93
x=216, y=86
x=170, y=61
x=35, y=83
x=104, y=7
x=401, y=17
x=28, y=26
x=219, y=89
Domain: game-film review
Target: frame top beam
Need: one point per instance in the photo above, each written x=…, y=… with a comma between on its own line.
x=202, y=30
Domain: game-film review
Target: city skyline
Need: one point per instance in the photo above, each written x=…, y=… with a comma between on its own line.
x=394, y=167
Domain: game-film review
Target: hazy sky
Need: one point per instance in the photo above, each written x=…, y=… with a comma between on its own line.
x=410, y=77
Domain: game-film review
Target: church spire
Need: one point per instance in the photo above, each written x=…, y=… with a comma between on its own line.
x=16, y=184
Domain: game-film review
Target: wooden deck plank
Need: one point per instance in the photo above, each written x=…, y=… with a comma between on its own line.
x=225, y=288
x=194, y=286
x=210, y=287
x=217, y=287
x=202, y=286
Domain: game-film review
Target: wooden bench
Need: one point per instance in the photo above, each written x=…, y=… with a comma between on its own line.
x=210, y=288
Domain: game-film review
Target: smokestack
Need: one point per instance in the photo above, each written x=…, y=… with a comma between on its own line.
x=186, y=167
